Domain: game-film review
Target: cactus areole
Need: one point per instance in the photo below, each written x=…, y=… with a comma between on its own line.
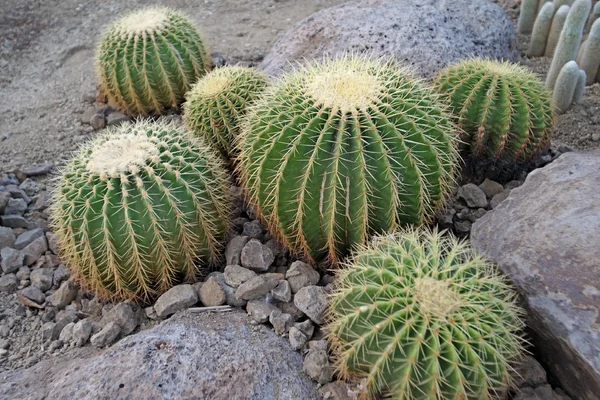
x=341, y=149
x=418, y=315
x=137, y=209
x=149, y=59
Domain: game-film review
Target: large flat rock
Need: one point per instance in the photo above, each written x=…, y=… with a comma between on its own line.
x=425, y=34
x=546, y=237
x=206, y=356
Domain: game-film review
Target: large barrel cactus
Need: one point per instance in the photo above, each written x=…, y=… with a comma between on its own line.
x=149, y=59
x=216, y=103
x=340, y=149
x=418, y=315
x=137, y=208
x=503, y=109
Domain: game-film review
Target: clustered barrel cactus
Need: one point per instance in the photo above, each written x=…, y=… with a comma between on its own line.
x=137, y=207
x=419, y=315
x=149, y=59
x=343, y=148
x=216, y=103
x=503, y=109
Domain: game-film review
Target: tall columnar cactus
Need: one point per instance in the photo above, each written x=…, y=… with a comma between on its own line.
x=217, y=102
x=149, y=59
x=590, y=58
x=340, y=149
x=562, y=96
x=419, y=315
x=138, y=207
x=594, y=15
x=527, y=14
x=558, y=22
x=569, y=41
x=504, y=110
x=541, y=29
x=579, y=87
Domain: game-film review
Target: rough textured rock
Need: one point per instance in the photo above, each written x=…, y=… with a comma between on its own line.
x=34, y=250
x=256, y=256
x=472, y=195
x=545, y=237
x=260, y=310
x=122, y=315
x=7, y=237
x=34, y=294
x=205, y=356
x=211, y=293
x=312, y=301
x=300, y=275
x=42, y=278
x=234, y=248
x=82, y=332
x=282, y=292
x=65, y=294
x=317, y=366
x=236, y=275
x=427, y=34
x=107, y=335
x=256, y=287
x=8, y=283
x=12, y=260
x=175, y=299
x=27, y=237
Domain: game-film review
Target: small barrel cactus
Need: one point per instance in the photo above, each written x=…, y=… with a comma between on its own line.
x=503, y=108
x=149, y=59
x=419, y=315
x=138, y=207
x=216, y=103
x=343, y=148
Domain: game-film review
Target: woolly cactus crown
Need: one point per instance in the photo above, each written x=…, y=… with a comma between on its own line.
x=148, y=60
x=343, y=148
x=419, y=315
x=137, y=207
x=216, y=103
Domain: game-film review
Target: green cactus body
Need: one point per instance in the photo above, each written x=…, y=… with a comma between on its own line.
x=418, y=315
x=564, y=91
x=136, y=208
x=590, y=58
x=503, y=108
x=341, y=149
x=541, y=29
x=555, y=29
x=149, y=59
x=216, y=103
x=569, y=41
x=527, y=15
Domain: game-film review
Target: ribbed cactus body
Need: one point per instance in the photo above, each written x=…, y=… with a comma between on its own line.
x=149, y=59
x=503, y=108
x=569, y=41
x=558, y=23
x=344, y=148
x=216, y=103
x=541, y=29
x=419, y=315
x=138, y=207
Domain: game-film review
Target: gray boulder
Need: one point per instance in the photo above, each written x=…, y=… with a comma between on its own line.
x=426, y=34
x=7, y=237
x=203, y=356
x=545, y=236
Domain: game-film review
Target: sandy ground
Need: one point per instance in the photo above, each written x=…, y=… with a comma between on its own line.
x=47, y=72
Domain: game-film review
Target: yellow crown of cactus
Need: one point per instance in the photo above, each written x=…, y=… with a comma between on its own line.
x=138, y=207
x=420, y=316
x=216, y=103
x=503, y=109
x=149, y=59
x=341, y=149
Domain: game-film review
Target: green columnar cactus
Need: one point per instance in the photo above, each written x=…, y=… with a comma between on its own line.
x=343, y=148
x=136, y=208
x=527, y=15
x=503, y=108
x=541, y=29
x=562, y=96
x=579, y=87
x=419, y=315
x=590, y=58
x=216, y=103
x=569, y=41
x=149, y=59
x=555, y=29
